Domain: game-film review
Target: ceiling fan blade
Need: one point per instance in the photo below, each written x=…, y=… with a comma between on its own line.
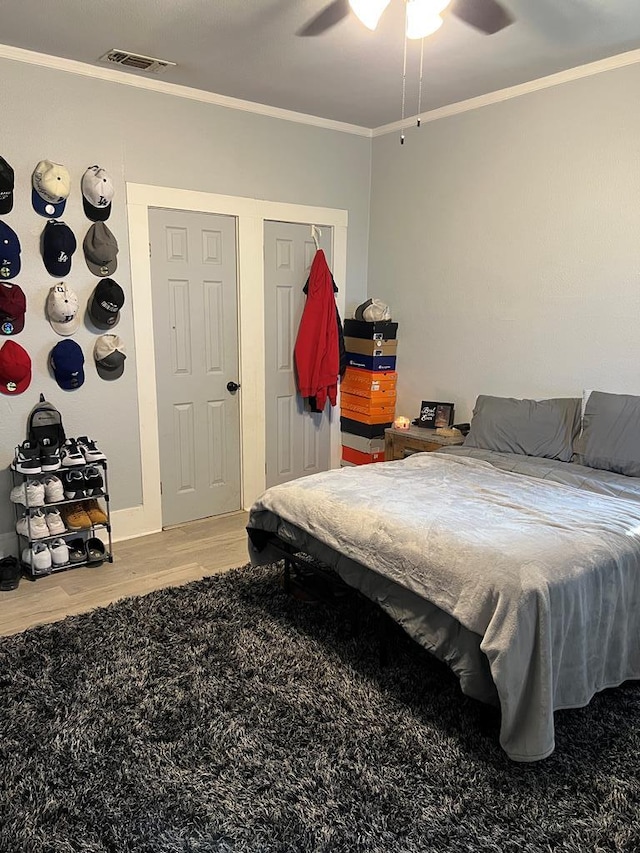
x=486, y=15
x=329, y=17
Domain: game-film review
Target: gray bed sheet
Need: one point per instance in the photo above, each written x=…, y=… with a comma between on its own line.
x=527, y=567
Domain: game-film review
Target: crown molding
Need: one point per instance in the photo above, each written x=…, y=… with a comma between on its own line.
x=113, y=75
x=620, y=60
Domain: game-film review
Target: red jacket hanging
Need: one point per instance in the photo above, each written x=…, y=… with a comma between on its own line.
x=316, y=351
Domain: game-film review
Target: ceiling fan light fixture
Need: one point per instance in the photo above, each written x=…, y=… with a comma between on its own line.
x=369, y=11
x=423, y=18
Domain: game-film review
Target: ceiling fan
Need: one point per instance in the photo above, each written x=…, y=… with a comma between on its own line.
x=423, y=16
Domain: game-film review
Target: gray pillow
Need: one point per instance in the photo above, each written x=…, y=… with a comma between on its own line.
x=610, y=437
x=530, y=427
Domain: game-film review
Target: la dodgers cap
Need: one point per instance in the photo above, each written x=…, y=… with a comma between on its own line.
x=67, y=362
x=100, y=250
x=58, y=245
x=97, y=193
x=9, y=252
x=13, y=306
x=63, y=309
x=109, y=353
x=51, y=188
x=6, y=187
x=15, y=368
x=105, y=304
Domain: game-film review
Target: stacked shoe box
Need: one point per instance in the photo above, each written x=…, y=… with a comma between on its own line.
x=367, y=390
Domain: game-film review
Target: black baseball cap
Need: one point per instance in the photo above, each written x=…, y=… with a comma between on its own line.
x=6, y=187
x=58, y=245
x=105, y=304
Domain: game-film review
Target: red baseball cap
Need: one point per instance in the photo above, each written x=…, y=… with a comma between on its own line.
x=15, y=368
x=13, y=304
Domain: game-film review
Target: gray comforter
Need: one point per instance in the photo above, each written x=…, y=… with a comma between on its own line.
x=546, y=573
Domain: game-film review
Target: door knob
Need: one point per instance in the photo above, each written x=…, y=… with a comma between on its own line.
x=232, y=387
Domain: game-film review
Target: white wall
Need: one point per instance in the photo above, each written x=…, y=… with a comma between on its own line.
x=148, y=138
x=506, y=240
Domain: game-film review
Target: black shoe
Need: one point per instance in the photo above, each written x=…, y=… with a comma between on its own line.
x=77, y=551
x=95, y=551
x=49, y=455
x=93, y=482
x=9, y=574
x=27, y=459
x=74, y=485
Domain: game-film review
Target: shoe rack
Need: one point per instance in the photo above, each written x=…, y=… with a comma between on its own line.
x=86, y=547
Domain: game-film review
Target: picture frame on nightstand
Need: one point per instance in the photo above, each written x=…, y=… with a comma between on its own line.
x=434, y=415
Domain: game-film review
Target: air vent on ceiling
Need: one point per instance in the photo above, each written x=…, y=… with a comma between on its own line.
x=148, y=64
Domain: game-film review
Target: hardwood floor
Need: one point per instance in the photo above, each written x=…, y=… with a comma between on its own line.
x=170, y=558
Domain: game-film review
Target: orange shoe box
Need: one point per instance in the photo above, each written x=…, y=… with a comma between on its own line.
x=356, y=457
x=368, y=405
x=366, y=419
x=368, y=381
x=382, y=397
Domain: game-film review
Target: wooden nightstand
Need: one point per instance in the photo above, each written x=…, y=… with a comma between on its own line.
x=399, y=443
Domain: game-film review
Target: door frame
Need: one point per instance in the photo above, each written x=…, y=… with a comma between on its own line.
x=250, y=215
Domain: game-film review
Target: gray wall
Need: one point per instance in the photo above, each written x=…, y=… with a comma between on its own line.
x=506, y=240
x=144, y=137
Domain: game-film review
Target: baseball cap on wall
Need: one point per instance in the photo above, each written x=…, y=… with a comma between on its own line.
x=51, y=188
x=15, y=368
x=6, y=187
x=58, y=245
x=9, y=252
x=100, y=250
x=109, y=353
x=105, y=304
x=97, y=194
x=63, y=309
x=13, y=306
x=67, y=362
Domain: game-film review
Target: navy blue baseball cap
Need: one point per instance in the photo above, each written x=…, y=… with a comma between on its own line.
x=9, y=252
x=67, y=362
x=58, y=245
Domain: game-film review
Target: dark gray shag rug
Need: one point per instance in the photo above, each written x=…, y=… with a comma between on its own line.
x=226, y=716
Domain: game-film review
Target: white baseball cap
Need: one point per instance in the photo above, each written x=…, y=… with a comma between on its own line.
x=109, y=353
x=97, y=194
x=51, y=188
x=63, y=310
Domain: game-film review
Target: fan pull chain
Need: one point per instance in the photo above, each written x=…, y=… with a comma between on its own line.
x=420, y=83
x=404, y=89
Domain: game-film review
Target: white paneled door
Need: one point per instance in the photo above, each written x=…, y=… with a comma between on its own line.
x=298, y=442
x=195, y=320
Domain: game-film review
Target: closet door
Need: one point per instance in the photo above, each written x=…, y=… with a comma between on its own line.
x=195, y=319
x=298, y=441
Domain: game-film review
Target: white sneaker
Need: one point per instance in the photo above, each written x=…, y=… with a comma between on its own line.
x=54, y=522
x=29, y=494
x=53, y=490
x=70, y=455
x=37, y=558
x=90, y=449
x=59, y=553
x=34, y=527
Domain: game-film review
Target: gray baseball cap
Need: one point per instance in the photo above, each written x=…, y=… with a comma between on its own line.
x=100, y=250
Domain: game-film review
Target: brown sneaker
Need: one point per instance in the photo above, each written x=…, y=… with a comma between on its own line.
x=76, y=518
x=95, y=513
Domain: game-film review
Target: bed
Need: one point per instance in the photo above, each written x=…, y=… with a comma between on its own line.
x=514, y=558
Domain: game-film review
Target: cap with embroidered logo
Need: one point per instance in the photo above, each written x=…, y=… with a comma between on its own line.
x=67, y=362
x=51, y=188
x=63, y=309
x=13, y=306
x=97, y=193
x=6, y=187
x=100, y=250
x=15, y=368
x=109, y=353
x=9, y=252
x=105, y=304
x=58, y=245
